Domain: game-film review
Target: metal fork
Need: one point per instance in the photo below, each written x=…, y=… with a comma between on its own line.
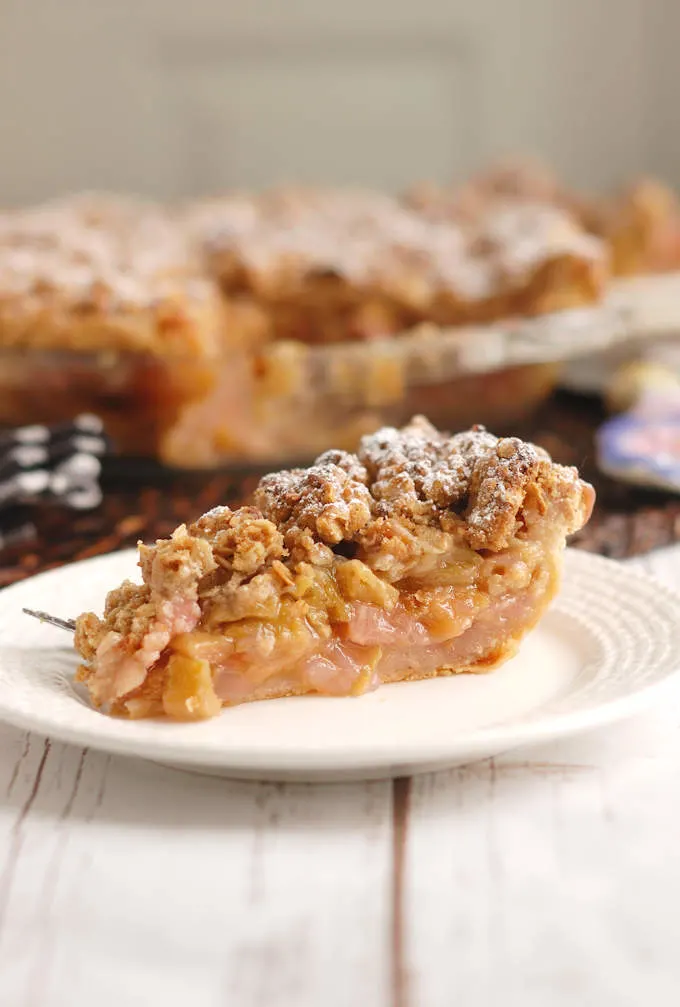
x=67, y=624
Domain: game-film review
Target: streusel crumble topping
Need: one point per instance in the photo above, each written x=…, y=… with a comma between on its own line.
x=472, y=482
x=369, y=238
x=96, y=274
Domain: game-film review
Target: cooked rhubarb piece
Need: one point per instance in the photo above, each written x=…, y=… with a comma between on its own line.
x=421, y=555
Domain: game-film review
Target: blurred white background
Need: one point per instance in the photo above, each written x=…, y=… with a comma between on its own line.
x=177, y=97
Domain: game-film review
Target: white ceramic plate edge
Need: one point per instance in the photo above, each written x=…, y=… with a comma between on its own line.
x=369, y=761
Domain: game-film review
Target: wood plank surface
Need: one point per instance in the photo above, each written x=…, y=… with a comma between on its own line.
x=127, y=883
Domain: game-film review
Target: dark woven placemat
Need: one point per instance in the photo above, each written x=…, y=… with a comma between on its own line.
x=626, y=521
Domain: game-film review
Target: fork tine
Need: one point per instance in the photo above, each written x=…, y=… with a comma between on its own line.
x=68, y=624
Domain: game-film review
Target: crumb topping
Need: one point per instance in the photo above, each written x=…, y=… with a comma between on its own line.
x=413, y=477
x=324, y=499
x=102, y=272
x=524, y=180
x=418, y=465
x=129, y=611
x=73, y=244
x=92, y=263
x=172, y=566
x=242, y=541
x=372, y=238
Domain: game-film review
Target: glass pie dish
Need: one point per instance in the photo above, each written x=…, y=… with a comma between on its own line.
x=261, y=331
x=286, y=401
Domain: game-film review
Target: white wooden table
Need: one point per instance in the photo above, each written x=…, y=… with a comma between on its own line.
x=544, y=878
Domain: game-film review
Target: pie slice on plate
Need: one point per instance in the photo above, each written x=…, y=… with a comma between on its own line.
x=421, y=555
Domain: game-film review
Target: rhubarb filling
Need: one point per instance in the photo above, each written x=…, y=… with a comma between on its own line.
x=468, y=616
x=370, y=648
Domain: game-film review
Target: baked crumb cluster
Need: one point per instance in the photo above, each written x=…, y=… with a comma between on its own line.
x=374, y=518
x=98, y=273
x=471, y=484
x=639, y=225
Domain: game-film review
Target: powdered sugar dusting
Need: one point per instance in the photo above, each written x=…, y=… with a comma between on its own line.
x=419, y=477
x=421, y=463
x=324, y=499
x=372, y=238
x=101, y=250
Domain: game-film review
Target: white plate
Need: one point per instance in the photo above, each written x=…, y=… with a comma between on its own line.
x=606, y=647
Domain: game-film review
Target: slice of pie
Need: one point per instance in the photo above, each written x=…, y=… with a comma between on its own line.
x=421, y=555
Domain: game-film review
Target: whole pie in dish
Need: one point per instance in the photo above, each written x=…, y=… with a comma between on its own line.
x=421, y=555
x=245, y=327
